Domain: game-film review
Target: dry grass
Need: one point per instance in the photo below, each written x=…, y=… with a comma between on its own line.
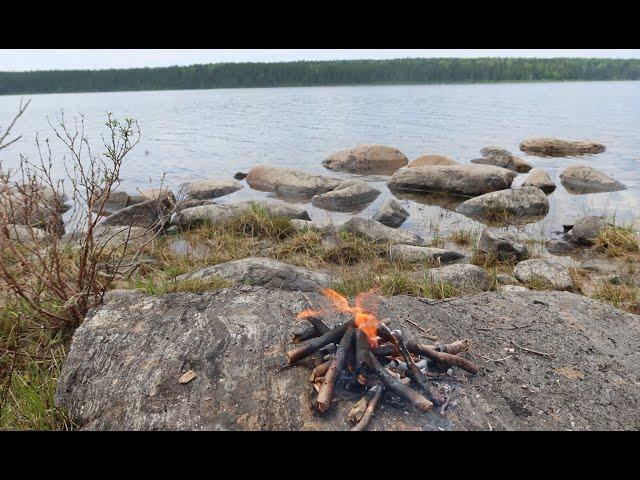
x=617, y=241
x=625, y=297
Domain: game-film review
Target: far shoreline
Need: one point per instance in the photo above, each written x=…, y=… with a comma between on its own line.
x=376, y=84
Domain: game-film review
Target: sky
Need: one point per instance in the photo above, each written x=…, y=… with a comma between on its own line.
x=56, y=59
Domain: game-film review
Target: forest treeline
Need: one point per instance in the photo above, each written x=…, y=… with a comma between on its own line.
x=309, y=73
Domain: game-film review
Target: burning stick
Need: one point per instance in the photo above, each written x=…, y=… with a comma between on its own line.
x=317, y=328
x=364, y=421
x=313, y=345
x=409, y=394
x=362, y=349
x=442, y=357
x=337, y=365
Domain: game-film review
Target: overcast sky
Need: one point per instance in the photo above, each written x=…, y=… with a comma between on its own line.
x=19, y=60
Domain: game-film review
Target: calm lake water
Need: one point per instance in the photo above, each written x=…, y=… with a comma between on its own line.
x=198, y=133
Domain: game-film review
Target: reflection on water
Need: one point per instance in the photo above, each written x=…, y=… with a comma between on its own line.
x=195, y=134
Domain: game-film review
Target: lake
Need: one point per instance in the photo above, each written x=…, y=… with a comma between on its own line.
x=192, y=134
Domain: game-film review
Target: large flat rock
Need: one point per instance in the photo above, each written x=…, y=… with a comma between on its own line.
x=289, y=182
x=468, y=180
x=125, y=360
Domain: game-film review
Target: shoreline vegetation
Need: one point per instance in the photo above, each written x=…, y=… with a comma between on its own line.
x=411, y=71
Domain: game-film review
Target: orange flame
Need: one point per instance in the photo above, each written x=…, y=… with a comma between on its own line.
x=364, y=317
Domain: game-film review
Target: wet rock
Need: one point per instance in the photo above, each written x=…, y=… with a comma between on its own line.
x=217, y=213
x=240, y=176
x=553, y=147
x=210, y=188
x=502, y=158
x=377, y=232
x=581, y=179
x=502, y=245
x=463, y=278
x=554, y=271
x=430, y=160
x=367, y=159
x=123, y=366
x=559, y=246
x=116, y=201
x=158, y=195
x=540, y=179
x=469, y=180
x=514, y=204
x=265, y=272
x=289, y=182
x=413, y=253
x=586, y=230
x=391, y=213
x=146, y=214
x=350, y=195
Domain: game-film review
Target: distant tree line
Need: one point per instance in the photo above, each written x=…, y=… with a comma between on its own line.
x=305, y=73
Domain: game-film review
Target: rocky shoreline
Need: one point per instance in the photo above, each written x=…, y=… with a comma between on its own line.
x=256, y=257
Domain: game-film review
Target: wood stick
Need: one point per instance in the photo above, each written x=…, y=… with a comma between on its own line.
x=364, y=421
x=416, y=375
x=316, y=328
x=304, y=333
x=362, y=347
x=336, y=367
x=320, y=370
x=313, y=345
x=318, y=324
x=406, y=392
x=442, y=357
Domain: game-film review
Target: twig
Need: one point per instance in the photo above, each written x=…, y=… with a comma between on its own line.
x=542, y=354
x=422, y=329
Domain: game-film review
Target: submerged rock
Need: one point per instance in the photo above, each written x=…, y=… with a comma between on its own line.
x=502, y=158
x=502, y=245
x=540, y=179
x=124, y=364
x=377, y=232
x=553, y=147
x=551, y=270
x=350, y=195
x=217, y=213
x=430, y=160
x=587, y=229
x=391, y=213
x=463, y=278
x=580, y=179
x=413, y=253
x=469, y=180
x=210, y=188
x=367, y=159
x=515, y=204
x=265, y=272
x=289, y=182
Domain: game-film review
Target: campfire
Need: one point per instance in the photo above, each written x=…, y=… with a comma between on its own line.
x=379, y=358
